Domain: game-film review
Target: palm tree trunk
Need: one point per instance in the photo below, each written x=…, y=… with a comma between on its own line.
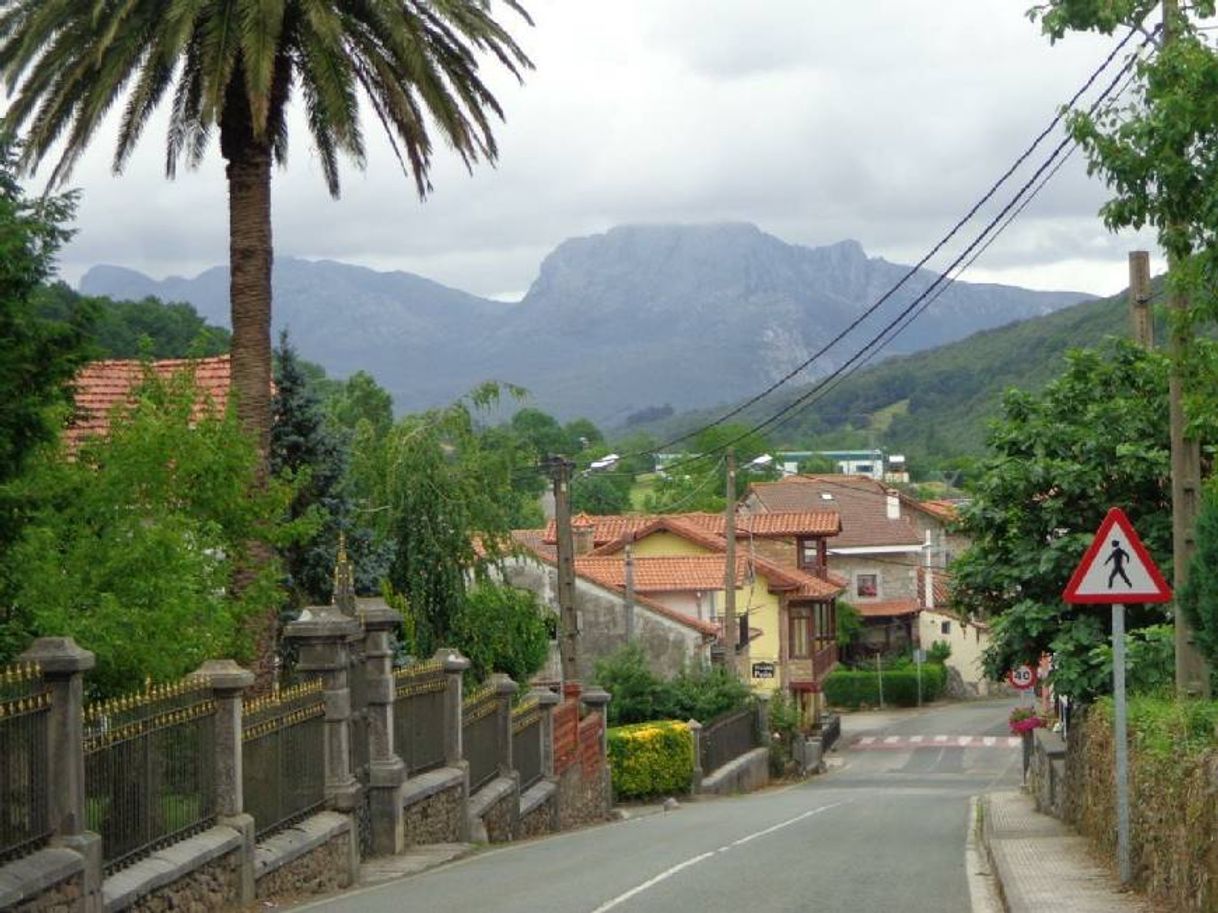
x=250, y=256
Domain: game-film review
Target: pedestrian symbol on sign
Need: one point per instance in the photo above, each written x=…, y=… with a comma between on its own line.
x=1118, y=556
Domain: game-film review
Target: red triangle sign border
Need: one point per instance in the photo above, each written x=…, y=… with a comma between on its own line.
x=1116, y=517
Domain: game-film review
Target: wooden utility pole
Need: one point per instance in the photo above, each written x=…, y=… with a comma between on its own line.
x=730, y=632
x=568, y=640
x=1139, y=299
x=1192, y=677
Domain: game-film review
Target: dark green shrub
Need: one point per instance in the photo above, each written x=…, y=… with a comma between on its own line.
x=638, y=696
x=939, y=651
x=651, y=759
x=501, y=629
x=703, y=693
x=853, y=688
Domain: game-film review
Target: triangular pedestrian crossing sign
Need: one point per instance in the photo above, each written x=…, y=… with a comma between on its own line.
x=1117, y=567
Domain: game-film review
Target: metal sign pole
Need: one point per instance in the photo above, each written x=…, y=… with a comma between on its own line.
x=1122, y=745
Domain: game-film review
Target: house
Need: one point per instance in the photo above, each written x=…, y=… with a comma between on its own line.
x=100, y=386
x=968, y=638
x=886, y=538
x=678, y=562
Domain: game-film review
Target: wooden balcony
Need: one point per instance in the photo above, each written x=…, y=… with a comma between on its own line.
x=809, y=674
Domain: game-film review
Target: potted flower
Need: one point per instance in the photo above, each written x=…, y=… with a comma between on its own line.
x=1024, y=719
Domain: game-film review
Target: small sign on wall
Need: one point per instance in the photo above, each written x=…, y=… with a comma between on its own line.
x=763, y=670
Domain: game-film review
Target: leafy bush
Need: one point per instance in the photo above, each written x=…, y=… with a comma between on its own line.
x=852, y=688
x=939, y=652
x=638, y=695
x=651, y=759
x=501, y=629
x=849, y=624
x=785, y=721
x=701, y=693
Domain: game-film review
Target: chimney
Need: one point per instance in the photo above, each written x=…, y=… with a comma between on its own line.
x=894, y=504
x=583, y=533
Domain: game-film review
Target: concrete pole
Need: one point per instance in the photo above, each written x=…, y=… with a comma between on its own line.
x=386, y=771
x=547, y=700
x=695, y=730
x=1192, y=676
x=454, y=664
x=1139, y=299
x=629, y=594
x=504, y=688
x=63, y=665
x=730, y=633
x=228, y=682
x=560, y=469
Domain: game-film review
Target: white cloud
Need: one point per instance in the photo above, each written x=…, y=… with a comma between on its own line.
x=873, y=120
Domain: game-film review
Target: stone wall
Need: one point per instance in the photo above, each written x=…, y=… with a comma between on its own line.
x=435, y=819
x=58, y=898
x=541, y=819
x=215, y=886
x=1047, y=772
x=321, y=870
x=500, y=819
x=583, y=797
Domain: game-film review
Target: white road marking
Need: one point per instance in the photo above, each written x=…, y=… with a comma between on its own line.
x=867, y=740
x=915, y=738
x=940, y=738
x=964, y=740
x=669, y=872
x=892, y=739
x=989, y=741
x=1012, y=741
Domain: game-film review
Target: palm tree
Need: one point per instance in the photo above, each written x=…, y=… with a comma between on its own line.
x=233, y=67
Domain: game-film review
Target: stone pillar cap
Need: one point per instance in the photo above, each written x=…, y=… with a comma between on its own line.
x=694, y=724
x=596, y=696
x=225, y=675
x=59, y=655
x=503, y=684
x=376, y=615
x=545, y=697
x=451, y=660
x=763, y=696
x=322, y=623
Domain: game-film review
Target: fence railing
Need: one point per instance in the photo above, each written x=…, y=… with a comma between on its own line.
x=727, y=737
x=283, y=756
x=149, y=769
x=418, y=715
x=480, y=736
x=24, y=709
x=526, y=742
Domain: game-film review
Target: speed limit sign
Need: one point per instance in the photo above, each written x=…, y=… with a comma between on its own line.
x=1022, y=677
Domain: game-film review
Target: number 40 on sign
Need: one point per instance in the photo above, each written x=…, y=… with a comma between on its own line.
x=1022, y=677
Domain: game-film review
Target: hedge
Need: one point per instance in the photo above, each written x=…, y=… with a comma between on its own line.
x=651, y=759
x=852, y=688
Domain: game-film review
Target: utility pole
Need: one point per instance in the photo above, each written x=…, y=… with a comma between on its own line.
x=1139, y=299
x=560, y=468
x=629, y=594
x=1192, y=677
x=730, y=633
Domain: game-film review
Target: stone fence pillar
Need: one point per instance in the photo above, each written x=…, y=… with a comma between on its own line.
x=454, y=664
x=228, y=682
x=597, y=701
x=323, y=634
x=386, y=771
x=504, y=689
x=63, y=665
x=695, y=730
x=763, y=719
x=547, y=700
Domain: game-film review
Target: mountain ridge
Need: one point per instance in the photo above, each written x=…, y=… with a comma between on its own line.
x=634, y=317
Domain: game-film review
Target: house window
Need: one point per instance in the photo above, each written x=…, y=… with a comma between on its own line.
x=825, y=632
x=801, y=633
x=867, y=585
x=807, y=552
x=945, y=627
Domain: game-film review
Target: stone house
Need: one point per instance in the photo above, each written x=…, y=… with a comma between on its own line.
x=887, y=538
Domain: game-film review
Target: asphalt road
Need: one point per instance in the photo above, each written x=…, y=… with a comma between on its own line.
x=884, y=830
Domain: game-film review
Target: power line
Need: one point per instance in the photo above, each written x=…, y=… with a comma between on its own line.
x=913, y=270
x=878, y=338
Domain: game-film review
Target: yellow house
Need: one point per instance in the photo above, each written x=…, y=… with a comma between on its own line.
x=679, y=561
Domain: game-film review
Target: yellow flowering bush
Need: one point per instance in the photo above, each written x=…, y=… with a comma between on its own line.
x=651, y=759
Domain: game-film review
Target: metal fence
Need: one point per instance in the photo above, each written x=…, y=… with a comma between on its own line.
x=418, y=721
x=727, y=737
x=526, y=742
x=149, y=769
x=480, y=737
x=830, y=730
x=25, y=706
x=283, y=756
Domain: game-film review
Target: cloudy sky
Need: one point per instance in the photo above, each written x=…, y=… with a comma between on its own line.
x=876, y=120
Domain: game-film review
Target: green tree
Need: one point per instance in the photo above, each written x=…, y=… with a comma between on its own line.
x=131, y=544
x=1198, y=599
x=361, y=399
x=232, y=68
x=1095, y=437
x=502, y=629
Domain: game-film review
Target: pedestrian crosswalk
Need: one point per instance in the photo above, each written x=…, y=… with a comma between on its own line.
x=907, y=742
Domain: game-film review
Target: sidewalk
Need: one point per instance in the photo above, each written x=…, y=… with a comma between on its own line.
x=1041, y=864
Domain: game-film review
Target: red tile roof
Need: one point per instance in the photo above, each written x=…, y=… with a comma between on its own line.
x=861, y=501
x=610, y=528
x=101, y=386
x=947, y=511
x=940, y=586
x=888, y=608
